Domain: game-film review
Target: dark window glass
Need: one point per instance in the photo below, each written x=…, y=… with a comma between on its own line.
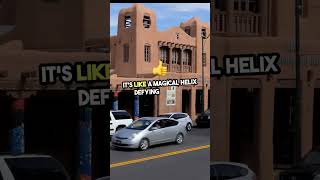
x=165, y=115
x=118, y=115
x=204, y=32
x=48, y=1
x=224, y=171
x=253, y=6
x=175, y=116
x=243, y=5
x=164, y=54
x=36, y=169
x=126, y=53
x=1, y=178
x=188, y=30
x=139, y=125
x=170, y=123
x=182, y=115
x=147, y=53
x=236, y=5
x=146, y=21
x=127, y=21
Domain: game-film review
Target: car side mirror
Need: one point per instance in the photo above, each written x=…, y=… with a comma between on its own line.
x=153, y=128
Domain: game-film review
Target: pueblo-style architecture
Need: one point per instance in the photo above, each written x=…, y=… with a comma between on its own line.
x=137, y=49
x=253, y=118
x=46, y=119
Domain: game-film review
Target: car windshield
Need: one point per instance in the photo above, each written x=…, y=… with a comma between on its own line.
x=139, y=124
x=312, y=158
x=165, y=115
x=121, y=115
x=38, y=168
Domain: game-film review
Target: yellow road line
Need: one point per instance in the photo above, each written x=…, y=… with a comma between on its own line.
x=158, y=156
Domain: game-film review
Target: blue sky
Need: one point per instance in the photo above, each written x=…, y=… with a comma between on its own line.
x=168, y=14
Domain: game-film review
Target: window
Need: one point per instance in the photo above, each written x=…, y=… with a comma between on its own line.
x=236, y=5
x=47, y=1
x=1, y=178
x=227, y=171
x=220, y=4
x=175, y=56
x=127, y=21
x=188, y=30
x=164, y=54
x=146, y=21
x=120, y=115
x=170, y=123
x=126, y=53
x=243, y=5
x=253, y=6
x=147, y=53
x=186, y=60
x=203, y=32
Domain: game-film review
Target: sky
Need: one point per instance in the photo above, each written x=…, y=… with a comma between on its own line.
x=168, y=14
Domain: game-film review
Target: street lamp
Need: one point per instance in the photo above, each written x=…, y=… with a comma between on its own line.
x=203, y=38
x=297, y=124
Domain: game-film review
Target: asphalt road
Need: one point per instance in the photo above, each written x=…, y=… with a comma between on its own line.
x=188, y=161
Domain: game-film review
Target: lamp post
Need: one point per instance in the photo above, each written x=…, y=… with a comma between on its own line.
x=203, y=38
x=297, y=124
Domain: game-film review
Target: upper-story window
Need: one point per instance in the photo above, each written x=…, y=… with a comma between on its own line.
x=186, y=58
x=187, y=30
x=203, y=32
x=243, y=5
x=126, y=53
x=220, y=4
x=127, y=21
x=175, y=56
x=236, y=5
x=147, y=53
x=146, y=21
x=253, y=6
x=164, y=54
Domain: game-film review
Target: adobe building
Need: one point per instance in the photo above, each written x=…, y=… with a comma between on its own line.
x=137, y=49
x=253, y=115
x=46, y=119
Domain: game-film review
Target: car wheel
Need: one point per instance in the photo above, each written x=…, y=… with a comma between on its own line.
x=119, y=127
x=179, y=138
x=189, y=127
x=144, y=144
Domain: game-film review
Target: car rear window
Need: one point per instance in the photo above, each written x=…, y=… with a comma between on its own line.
x=224, y=171
x=165, y=115
x=121, y=115
x=39, y=168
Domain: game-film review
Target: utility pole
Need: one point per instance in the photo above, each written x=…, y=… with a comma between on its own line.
x=298, y=10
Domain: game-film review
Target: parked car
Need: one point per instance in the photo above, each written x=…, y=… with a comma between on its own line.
x=184, y=118
x=230, y=170
x=149, y=131
x=27, y=167
x=307, y=169
x=118, y=120
x=203, y=119
x=104, y=178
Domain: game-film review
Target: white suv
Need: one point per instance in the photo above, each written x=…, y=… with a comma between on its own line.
x=17, y=167
x=184, y=118
x=118, y=120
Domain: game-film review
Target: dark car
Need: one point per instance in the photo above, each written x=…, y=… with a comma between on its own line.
x=307, y=169
x=203, y=119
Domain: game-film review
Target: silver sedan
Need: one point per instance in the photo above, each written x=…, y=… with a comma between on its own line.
x=149, y=131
